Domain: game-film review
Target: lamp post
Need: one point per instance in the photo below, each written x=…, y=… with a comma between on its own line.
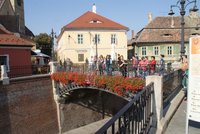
x=53, y=34
x=182, y=8
x=96, y=39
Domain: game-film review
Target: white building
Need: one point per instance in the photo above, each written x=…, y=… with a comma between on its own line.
x=77, y=39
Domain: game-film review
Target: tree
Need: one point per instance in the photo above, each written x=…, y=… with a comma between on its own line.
x=43, y=41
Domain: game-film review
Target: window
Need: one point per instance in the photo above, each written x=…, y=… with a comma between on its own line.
x=80, y=57
x=156, y=50
x=19, y=2
x=169, y=50
x=113, y=39
x=95, y=21
x=144, y=51
x=4, y=60
x=97, y=38
x=80, y=38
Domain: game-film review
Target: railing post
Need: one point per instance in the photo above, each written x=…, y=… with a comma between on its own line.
x=157, y=101
x=4, y=76
x=53, y=69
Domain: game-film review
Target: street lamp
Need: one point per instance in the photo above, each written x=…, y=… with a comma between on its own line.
x=53, y=34
x=182, y=8
x=96, y=39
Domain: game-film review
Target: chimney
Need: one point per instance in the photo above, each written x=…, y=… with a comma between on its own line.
x=172, y=22
x=193, y=14
x=132, y=34
x=150, y=17
x=94, y=9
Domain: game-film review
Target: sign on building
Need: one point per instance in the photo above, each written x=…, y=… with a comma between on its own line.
x=193, y=110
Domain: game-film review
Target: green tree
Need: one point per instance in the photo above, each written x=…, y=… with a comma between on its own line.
x=43, y=41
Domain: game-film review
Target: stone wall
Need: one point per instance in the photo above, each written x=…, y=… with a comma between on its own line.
x=27, y=106
x=85, y=106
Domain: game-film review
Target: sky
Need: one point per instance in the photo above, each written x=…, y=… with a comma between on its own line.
x=43, y=15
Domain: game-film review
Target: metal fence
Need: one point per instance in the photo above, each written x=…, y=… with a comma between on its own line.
x=129, y=70
x=19, y=71
x=171, y=86
x=133, y=118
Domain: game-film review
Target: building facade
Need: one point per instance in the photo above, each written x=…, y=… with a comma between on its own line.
x=89, y=35
x=15, y=53
x=162, y=35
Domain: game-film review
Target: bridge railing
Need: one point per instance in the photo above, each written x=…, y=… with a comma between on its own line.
x=135, y=117
x=129, y=69
x=171, y=86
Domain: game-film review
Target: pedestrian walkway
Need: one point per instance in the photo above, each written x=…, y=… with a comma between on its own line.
x=177, y=124
x=88, y=129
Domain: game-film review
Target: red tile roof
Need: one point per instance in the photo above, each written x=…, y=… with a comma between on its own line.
x=90, y=20
x=10, y=39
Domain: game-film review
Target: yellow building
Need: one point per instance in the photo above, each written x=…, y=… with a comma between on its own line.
x=90, y=35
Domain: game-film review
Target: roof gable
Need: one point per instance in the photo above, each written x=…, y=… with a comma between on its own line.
x=90, y=20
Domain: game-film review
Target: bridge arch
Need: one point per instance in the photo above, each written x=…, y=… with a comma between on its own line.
x=84, y=105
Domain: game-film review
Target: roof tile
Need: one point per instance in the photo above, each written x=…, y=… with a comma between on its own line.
x=167, y=29
x=99, y=22
x=8, y=38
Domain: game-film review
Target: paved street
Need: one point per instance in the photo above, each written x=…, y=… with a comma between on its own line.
x=88, y=129
x=177, y=124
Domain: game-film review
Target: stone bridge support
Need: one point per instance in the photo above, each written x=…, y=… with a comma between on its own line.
x=163, y=114
x=157, y=101
x=53, y=69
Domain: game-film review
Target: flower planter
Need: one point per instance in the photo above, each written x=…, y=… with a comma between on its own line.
x=125, y=87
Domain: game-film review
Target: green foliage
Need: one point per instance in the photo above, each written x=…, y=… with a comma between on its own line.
x=43, y=41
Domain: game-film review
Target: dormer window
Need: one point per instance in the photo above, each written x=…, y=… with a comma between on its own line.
x=95, y=21
x=193, y=34
x=167, y=35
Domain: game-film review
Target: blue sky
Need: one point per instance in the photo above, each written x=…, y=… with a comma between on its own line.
x=43, y=15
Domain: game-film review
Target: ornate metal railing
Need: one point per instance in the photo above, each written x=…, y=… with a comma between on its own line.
x=129, y=70
x=133, y=118
x=171, y=86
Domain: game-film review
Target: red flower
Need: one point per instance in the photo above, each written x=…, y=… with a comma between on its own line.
x=116, y=84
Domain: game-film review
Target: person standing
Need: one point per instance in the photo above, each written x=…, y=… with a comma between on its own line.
x=100, y=64
x=162, y=65
x=122, y=66
x=146, y=64
x=140, y=65
x=152, y=65
x=184, y=68
x=135, y=65
x=108, y=65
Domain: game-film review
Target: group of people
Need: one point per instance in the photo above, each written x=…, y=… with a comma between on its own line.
x=140, y=67
x=103, y=64
x=144, y=67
